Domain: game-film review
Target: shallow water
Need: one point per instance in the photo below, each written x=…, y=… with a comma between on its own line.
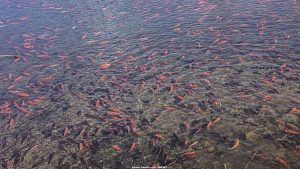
x=131, y=84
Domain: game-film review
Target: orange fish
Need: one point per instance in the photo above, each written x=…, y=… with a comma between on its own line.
x=102, y=77
x=32, y=148
x=207, y=81
x=25, y=74
x=81, y=146
x=206, y=74
x=11, y=123
x=241, y=59
x=86, y=143
x=23, y=104
x=28, y=45
x=36, y=101
x=282, y=67
x=5, y=105
x=236, y=144
x=19, y=93
x=168, y=108
x=133, y=146
x=293, y=110
x=161, y=78
x=23, y=18
x=180, y=98
x=208, y=125
x=190, y=154
x=97, y=104
x=133, y=125
x=191, y=85
x=11, y=86
x=186, y=126
x=66, y=131
x=171, y=88
x=18, y=79
x=23, y=110
x=116, y=147
x=266, y=82
x=82, y=131
x=282, y=162
x=166, y=52
x=84, y=36
x=292, y=132
x=105, y=65
x=273, y=78
x=159, y=136
x=46, y=79
x=216, y=120
x=267, y=97
x=194, y=143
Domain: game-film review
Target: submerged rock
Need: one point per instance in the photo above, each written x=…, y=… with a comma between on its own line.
x=291, y=118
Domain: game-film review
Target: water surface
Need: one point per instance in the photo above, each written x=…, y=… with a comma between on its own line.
x=123, y=84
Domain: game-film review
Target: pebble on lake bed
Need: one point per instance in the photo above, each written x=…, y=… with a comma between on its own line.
x=291, y=118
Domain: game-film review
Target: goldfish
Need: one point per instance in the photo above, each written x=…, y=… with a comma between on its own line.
x=207, y=81
x=159, y=136
x=116, y=147
x=266, y=82
x=206, y=74
x=81, y=146
x=190, y=154
x=66, y=131
x=292, y=132
x=161, y=78
x=19, y=93
x=171, y=88
x=216, y=120
x=97, y=104
x=282, y=162
x=186, y=126
x=191, y=85
x=208, y=125
x=133, y=146
x=11, y=86
x=84, y=36
x=166, y=52
x=273, y=78
x=194, y=143
x=293, y=110
x=168, y=108
x=62, y=86
x=86, y=143
x=236, y=144
x=46, y=78
x=105, y=65
x=23, y=110
x=180, y=98
x=177, y=30
x=102, y=77
x=23, y=18
x=11, y=123
x=28, y=45
x=18, y=79
x=282, y=67
x=267, y=97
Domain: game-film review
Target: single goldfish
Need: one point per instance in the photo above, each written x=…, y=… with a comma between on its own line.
x=105, y=65
x=116, y=147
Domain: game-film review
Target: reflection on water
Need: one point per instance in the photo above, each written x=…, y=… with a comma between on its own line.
x=124, y=84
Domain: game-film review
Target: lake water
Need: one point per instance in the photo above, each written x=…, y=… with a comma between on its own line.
x=200, y=84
